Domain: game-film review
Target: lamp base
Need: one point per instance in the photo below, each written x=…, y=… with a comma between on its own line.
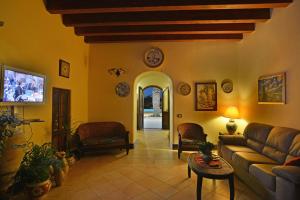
x=231, y=127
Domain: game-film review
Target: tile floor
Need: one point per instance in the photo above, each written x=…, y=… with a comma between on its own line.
x=151, y=171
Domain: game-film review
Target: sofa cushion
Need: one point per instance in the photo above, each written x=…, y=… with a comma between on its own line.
x=245, y=159
x=294, y=150
x=190, y=142
x=263, y=172
x=228, y=150
x=256, y=135
x=103, y=141
x=278, y=143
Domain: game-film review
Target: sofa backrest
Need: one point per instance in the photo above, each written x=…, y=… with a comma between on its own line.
x=294, y=149
x=191, y=131
x=101, y=129
x=278, y=143
x=256, y=135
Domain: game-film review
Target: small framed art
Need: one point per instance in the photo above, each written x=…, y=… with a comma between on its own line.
x=64, y=68
x=271, y=89
x=206, y=96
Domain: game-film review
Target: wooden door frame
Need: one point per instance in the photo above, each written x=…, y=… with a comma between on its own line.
x=69, y=107
x=162, y=110
x=140, y=123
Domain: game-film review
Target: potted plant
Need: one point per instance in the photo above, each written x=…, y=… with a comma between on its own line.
x=35, y=170
x=72, y=143
x=8, y=154
x=8, y=124
x=206, y=149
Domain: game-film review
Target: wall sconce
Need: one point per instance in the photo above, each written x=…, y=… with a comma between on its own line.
x=116, y=71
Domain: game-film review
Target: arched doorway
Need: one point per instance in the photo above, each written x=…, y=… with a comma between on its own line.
x=157, y=80
x=153, y=106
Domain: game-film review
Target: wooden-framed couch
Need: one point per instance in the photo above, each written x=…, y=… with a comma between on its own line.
x=102, y=135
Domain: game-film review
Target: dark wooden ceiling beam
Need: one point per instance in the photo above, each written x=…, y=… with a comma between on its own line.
x=139, y=38
x=165, y=29
x=103, y=6
x=168, y=17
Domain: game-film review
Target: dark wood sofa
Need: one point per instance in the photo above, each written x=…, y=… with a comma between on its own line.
x=102, y=135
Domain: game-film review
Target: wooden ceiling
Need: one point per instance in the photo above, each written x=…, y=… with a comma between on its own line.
x=102, y=21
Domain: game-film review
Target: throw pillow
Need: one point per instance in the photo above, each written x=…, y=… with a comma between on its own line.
x=293, y=162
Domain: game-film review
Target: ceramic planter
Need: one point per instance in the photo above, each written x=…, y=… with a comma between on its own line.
x=71, y=160
x=39, y=190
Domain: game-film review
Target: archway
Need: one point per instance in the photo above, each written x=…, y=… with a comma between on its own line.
x=163, y=81
x=153, y=108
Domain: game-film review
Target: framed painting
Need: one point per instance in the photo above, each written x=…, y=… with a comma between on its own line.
x=271, y=89
x=206, y=96
x=64, y=68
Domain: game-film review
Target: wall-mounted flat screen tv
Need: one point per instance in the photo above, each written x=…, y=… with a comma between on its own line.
x=19, y=86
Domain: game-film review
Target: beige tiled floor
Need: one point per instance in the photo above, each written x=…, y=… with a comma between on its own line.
x=151, y=171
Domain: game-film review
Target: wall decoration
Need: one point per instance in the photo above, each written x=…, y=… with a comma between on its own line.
x=64, y=68
x=206, y=96
x=227, y=85
x=184, y=88
x=154, y=57
x=122, y=89
x=271, y=89
x=117, y=71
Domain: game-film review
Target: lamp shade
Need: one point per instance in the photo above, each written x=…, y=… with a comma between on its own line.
x=232, y=112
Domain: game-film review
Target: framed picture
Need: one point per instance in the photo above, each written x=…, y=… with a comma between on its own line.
x=206, y=96
x=64, y=68
x=271, y=89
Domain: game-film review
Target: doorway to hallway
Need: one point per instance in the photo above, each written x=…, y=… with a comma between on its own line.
x=152, y=107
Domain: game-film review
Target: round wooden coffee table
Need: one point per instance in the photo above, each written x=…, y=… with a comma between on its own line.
x=226, y=172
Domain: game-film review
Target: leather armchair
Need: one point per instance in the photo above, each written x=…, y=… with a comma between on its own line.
x=189, y=137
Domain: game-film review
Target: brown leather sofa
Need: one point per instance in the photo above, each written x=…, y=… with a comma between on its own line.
x=258, y=157
x=102, y=135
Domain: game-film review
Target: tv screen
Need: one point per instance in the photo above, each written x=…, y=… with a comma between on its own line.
x=20, y=86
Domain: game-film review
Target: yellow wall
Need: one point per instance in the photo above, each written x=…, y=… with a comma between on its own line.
x=34, y=40
x=273, y=47
x=184, y=61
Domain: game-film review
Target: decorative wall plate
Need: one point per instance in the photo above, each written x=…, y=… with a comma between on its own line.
x=122, y=89
x=227, y=85
x=154, y=57
x=184, y=88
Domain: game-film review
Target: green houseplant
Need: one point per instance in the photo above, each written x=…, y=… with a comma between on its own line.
x=206, y=149
x=35, y=170
x=9, y=155
x=72, y=142
x=8, y=124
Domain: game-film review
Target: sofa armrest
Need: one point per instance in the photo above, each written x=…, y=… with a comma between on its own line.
x=232, y=140
x=290, y=173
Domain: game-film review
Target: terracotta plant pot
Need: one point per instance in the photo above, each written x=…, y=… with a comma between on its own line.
x=71, y=160
x=62, y=156
x=38, y=190
x=59, y=177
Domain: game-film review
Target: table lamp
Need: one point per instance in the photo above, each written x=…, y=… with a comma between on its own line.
x=232, y=113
